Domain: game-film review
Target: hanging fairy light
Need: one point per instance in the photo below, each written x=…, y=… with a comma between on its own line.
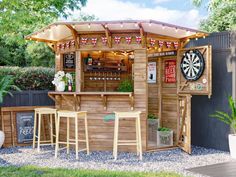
x=121, y=25
x=136, y=24
x=163, y=27
x=176, y=30
x=204, y=37
x=150, y=24
x=89, y=26
x=196, y=38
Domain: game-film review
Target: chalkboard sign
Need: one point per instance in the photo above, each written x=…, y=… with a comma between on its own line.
x=25, y=126
x=69, y=60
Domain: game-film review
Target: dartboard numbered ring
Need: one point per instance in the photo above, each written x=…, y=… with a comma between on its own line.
x=192, y=65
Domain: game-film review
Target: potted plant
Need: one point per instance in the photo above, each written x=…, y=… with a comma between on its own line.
x=61, y=79
x=6, y=84
x=125, y=86
x=164, y=137
x=153, y=123
x=229, y=119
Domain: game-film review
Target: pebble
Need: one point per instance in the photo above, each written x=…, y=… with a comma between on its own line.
x=171, y=160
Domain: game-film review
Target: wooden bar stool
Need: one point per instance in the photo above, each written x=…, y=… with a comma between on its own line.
x=39, y=112
x=72, y=115
x=137, y=142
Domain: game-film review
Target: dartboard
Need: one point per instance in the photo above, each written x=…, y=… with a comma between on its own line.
x=192, y=65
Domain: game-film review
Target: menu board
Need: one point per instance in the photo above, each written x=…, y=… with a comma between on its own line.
x=25, y=126
x=170, y=71
x=69, y=60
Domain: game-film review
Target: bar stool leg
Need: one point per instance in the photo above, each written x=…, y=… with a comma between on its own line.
x=39, y=131
x=68, y=135
x=86, y=133
x=51, y=129
x=57, y=136
x=137, y=136
x=116, y=137
x=76, y=138
x=140, y=141
x=35, y=126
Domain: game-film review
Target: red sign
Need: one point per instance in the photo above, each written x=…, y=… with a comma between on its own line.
x=170, y=71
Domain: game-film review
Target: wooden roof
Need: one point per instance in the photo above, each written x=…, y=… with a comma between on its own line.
x=59, y=31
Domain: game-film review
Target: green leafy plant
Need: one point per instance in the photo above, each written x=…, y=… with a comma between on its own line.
x=163, y=129
x=6, y=84
x=152, y=116
x=229, y=119
x=125, y=86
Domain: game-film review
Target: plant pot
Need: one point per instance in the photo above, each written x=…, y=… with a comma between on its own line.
x=61, y=86
x=164, y=138
x=153, y=124
x=232, y=145
x=2, y=138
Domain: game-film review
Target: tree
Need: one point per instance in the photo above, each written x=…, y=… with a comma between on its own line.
x=222, y=15
x=19, y=18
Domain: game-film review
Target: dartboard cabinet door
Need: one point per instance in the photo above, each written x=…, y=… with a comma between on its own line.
x=194, y=77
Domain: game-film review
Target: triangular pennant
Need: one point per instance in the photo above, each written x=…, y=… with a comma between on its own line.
x=176, y=44
x=94, y=41
x=128, y=39
x=160, y=43
x=84, y=41
x=168, y=44
x=117, y=39
x=104, y=40
x=138, y=39
x=152, y=42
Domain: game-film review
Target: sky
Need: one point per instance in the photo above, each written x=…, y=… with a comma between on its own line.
x=179, y=12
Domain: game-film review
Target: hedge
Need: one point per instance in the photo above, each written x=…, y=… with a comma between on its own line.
x=30, y=78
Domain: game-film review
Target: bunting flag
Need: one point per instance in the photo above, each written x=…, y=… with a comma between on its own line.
x=128, y=39
x=68, y=44
x=160, y=43
x=62, y=46
x=138, y=39
x=72, y=43
x=168, y=44
x=58, y=46
x=176, y=44
x=104, y=40
x=152, y=42
x=94, y=41
x=84, y=41
x=117, y=39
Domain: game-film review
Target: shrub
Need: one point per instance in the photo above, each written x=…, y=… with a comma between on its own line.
x=30, y=78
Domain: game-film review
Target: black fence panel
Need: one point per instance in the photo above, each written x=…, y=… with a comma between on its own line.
x=206, y=131
x=28, y=98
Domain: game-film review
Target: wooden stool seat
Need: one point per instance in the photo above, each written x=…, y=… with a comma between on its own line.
x=39, y=112
x=72, y=115
x=127, y=115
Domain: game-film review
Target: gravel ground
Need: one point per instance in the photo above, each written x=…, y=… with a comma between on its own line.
x=171, y=160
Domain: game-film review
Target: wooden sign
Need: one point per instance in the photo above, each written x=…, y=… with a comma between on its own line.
x=163, y=54
x=170, y=71
x=152, y=72
x=69, y=60
x=25, y=126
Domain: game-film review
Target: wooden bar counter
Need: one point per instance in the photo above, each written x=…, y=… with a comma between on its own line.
x=98, y=105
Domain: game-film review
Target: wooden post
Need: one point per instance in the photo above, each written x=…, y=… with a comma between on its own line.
x=78, y=71
x=58, y=62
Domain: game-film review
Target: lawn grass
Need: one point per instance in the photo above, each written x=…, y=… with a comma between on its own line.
x=31, y=171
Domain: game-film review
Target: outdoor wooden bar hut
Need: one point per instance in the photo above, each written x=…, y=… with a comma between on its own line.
x=104, y=55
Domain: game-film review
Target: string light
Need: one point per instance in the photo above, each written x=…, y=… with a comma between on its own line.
x=204, y=37
x=99, y=51
x=136, y=24
x=187, y=31
x=121, y=25
x=196, y=38
x=163, y=27
x=105, y=25
x=73, y=26
x=89, y=26
x=150, y=24
x=176, y=30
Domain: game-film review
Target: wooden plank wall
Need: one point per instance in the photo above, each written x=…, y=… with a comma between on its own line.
x=101, y=132
x=9, y=125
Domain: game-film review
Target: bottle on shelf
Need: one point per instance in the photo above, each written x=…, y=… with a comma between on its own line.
x=69, y=85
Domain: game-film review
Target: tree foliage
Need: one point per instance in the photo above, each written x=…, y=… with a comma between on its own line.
x=222, y=15
x=21, y=17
